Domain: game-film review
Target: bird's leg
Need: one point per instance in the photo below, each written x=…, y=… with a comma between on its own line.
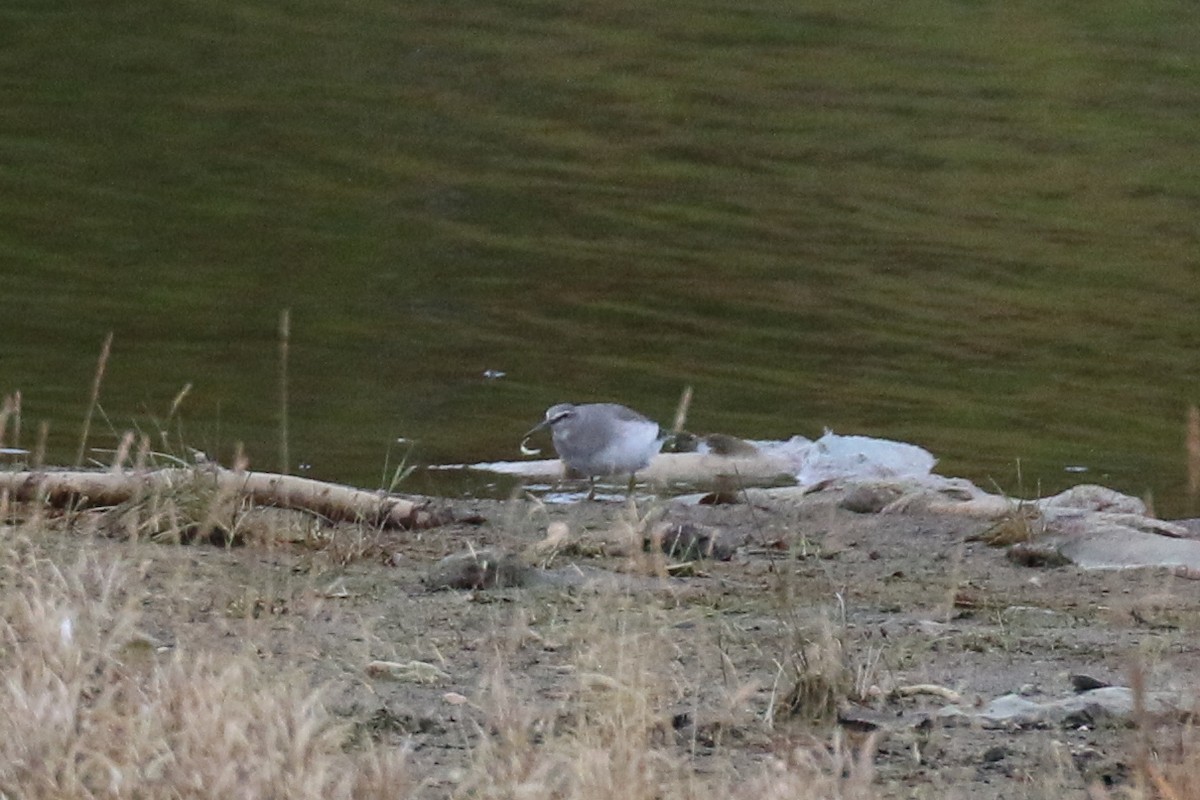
x=591, y=495
x=632, y=484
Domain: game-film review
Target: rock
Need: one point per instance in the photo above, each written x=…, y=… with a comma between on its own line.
x=1101, y=545
x=862, y=719
x=1192, y=526
x=1036, y=554
x=479, y=569
x=1123, y=549
x=953, y=716
x=1103, y=539
x=1074, y=522
x=1085, y=683
x=686, y=540
x=1096, y=767
x=870, y=498
x=934, y=494
x=1012, y=711
x=1109, y=705
x=721, y=444
x=994, y=754
x=726, y=495
x=1089, y=497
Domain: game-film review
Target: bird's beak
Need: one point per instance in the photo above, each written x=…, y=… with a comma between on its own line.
x=526, y=450
x=543, y=424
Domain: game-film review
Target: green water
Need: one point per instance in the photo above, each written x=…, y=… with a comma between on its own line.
x=969, y=225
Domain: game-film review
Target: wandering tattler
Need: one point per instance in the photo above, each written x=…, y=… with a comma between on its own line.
x=600, y=439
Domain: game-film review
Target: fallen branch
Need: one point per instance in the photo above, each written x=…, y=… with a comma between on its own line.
x=665, y=468
x=333, y=501
x=928, y=688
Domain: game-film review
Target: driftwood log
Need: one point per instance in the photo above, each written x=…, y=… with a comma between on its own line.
x=665, y=468
x=333, y=501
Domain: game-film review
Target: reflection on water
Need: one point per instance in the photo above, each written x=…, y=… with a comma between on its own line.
x=969, y=228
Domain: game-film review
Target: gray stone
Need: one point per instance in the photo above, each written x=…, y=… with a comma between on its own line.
x=1125, y=549
x=478, y=569
x=686, y=540
x=870, y=498
x=1108, y=706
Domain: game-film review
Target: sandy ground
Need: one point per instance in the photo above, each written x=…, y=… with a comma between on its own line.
x=893, y=601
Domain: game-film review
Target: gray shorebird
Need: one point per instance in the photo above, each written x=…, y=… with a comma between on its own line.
x=601, y=439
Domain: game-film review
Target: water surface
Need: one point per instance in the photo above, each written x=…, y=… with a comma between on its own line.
x=967, y=226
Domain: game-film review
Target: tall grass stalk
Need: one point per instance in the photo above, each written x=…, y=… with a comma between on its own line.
x=6, y=410
x=16, y=415
x=285, y=333
x=101, y=365
x=1192, y=437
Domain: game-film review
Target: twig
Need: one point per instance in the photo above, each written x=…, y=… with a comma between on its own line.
x=928, y=688
x=87, y=420
x=285, y=330
x=1193, y=453
x=681, y=411
x=17, y=419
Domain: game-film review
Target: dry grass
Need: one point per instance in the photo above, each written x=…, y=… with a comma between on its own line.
x=1167, y=768
x=620, y=731
x=828, y=670
x=95, y=708
x=92, y=710
x=1176, y=773
x=1024, y=524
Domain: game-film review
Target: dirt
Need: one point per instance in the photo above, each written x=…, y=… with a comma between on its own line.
x=901, y=600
